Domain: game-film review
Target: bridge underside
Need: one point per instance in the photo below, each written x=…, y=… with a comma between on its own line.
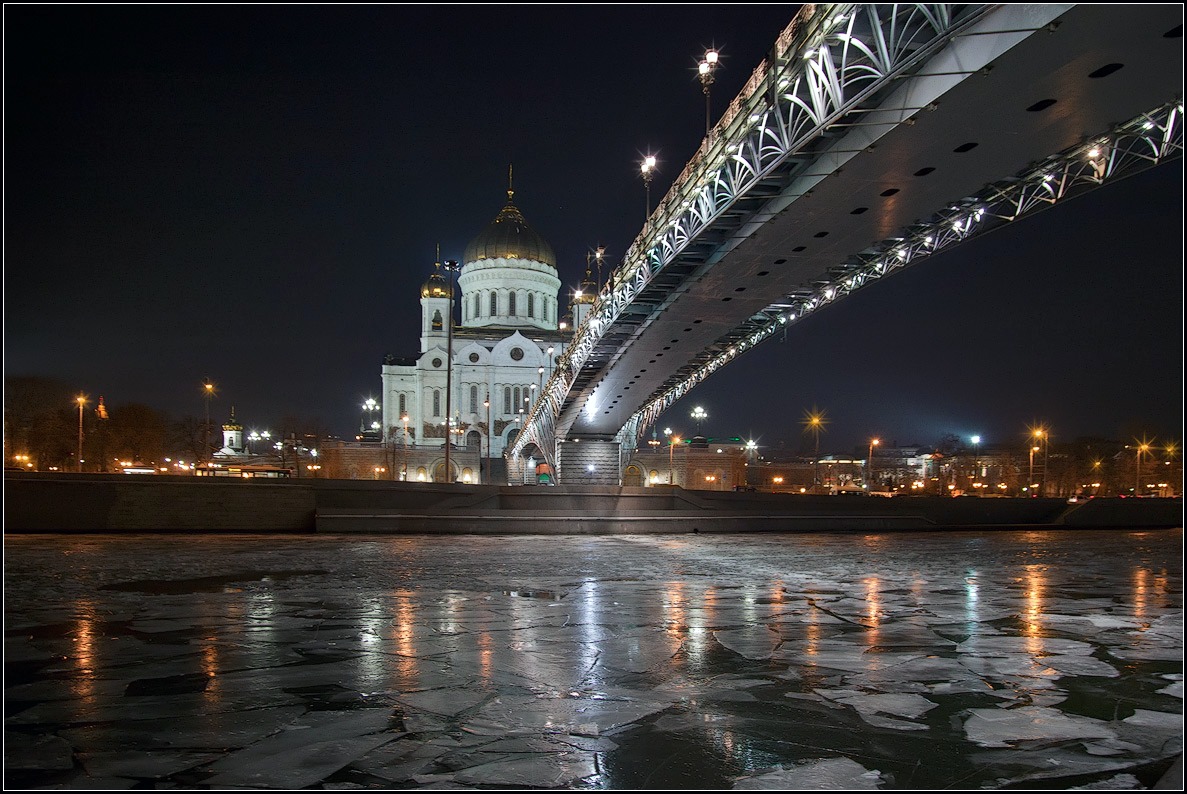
x=789, y=233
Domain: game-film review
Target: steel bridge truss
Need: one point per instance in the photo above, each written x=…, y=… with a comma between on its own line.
x=1134, y=146
x=830, y=64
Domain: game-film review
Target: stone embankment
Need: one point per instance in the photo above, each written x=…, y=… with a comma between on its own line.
x=145, y=503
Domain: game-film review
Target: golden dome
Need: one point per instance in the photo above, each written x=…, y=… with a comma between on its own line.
x=587, y=292
x=509, y=237
x=435, y=286
x=232, y=425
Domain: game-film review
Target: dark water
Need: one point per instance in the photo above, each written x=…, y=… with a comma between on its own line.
x=1025, y=659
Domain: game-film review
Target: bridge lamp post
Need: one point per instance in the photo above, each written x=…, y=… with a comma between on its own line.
x=551, y=350
x=705, y=70
x=699, y=416
x=647, y=167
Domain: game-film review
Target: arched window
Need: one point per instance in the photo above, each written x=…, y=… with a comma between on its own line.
x=403, y=405
x=511, y=304
x=531, y=305
x=437, y=320
x=506, y=399
x=436, y=402
x=516, y=398
x=477, y=306
x=473, y=399
x=494, y=303
x=545, y=310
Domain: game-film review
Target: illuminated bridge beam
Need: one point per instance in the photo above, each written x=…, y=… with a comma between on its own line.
x=1143, y=142
x=798, y=146
x=829, y=62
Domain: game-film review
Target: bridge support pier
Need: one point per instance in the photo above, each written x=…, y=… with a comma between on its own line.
x=589, y=462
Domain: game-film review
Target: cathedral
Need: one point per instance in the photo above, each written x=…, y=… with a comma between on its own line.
x=484, y=358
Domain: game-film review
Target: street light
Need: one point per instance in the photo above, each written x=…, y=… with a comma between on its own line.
x=369, y=409
x=1144, y=446
x=672, y=442
x=1030, y=482
x=870, y=460
x=699, y=416
x=207, y=393
x=647, y=167
x=705, y=70
x=451, y=267
x=814, y=422
x=82, y=400
x=486, y=405
x=976, y=459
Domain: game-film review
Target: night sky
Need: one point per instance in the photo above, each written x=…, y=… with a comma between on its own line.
x=254, y=195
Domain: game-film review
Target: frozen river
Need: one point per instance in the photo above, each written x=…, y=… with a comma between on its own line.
x=1044, y=659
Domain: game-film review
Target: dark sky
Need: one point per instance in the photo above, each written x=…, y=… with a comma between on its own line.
x=254, y=195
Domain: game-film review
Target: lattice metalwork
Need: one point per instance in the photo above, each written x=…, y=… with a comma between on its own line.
x=832, y=61
x=1141, y=143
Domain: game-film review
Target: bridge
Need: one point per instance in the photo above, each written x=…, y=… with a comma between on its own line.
x=872, y=137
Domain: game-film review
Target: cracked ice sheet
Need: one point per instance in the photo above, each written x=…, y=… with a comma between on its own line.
x=837, y=774
x=1000, y=727
x=754, y=642
x=535, y=770
x=302, y=766
x=637, y=654
x=839, y=655
x=148, y=764
x=446, y=702
x=562, y=715
x=899, y=705
x=1009, y=646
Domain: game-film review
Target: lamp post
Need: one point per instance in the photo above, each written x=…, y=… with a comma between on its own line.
x=647, y=167
x=486, y=405
x=404, y=419
x=82, y=400
x=699, y=416
x=207, y=393
x=870, y=460
x=705, y=70
x=551, y=350
x=813, y=423
x=451, y=267
x=1137, y=474
x=369, y=409
x=976, y=459
x=672, y=442
x=1030, y=482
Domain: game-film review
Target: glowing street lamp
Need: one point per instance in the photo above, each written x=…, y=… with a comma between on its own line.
x=870, y=460
x=672, y=442
x=699, y=416
x=207, y=393
x=976, y=460
x=1142, y=448
x=705, y=70
x=814, y=422
x=647, y=167
x=82, y=400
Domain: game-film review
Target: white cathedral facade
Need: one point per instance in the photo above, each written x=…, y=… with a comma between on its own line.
x=509, y=330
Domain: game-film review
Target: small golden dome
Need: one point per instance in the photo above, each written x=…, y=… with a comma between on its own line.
x=435, y=286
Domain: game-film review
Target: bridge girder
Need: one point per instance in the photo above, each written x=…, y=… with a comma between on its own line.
x=840, y=79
